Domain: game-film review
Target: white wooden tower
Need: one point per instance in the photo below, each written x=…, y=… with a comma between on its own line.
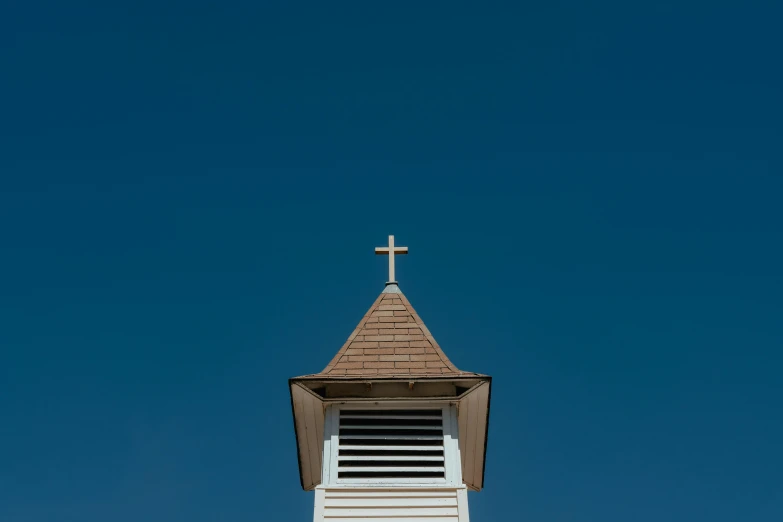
x=391, y=430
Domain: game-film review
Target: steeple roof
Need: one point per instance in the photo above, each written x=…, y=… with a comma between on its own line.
x=390, y=341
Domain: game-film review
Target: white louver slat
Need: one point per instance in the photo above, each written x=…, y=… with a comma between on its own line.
x=391, y=444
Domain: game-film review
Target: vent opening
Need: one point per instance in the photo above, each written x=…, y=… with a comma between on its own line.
x=391, y=444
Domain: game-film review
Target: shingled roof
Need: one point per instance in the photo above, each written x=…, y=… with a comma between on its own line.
x=390, y=341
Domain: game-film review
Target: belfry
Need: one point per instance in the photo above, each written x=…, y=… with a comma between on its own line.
x=391, y=430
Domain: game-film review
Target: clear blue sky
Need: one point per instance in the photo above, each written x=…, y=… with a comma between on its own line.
x=190, y=196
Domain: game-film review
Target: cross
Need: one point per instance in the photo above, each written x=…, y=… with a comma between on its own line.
x=390, y=251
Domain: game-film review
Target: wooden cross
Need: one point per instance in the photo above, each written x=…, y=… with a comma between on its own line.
x=390, y=251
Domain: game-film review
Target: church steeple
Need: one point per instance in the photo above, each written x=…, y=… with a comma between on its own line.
x=391, y=410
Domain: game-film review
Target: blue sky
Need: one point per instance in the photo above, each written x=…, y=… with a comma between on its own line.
x=191, y=192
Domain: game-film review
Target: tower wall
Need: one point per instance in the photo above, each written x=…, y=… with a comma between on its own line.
x=391, y=461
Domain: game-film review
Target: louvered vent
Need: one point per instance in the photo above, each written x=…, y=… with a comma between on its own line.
x=378, y=444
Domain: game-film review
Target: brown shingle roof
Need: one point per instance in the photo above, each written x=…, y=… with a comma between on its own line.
x=390, y=341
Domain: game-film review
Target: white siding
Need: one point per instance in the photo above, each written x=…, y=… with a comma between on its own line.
x=391, y=505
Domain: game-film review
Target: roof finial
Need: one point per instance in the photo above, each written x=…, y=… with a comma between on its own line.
x=390, y=251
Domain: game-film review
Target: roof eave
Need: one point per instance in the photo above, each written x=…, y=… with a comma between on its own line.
x=401, y=377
